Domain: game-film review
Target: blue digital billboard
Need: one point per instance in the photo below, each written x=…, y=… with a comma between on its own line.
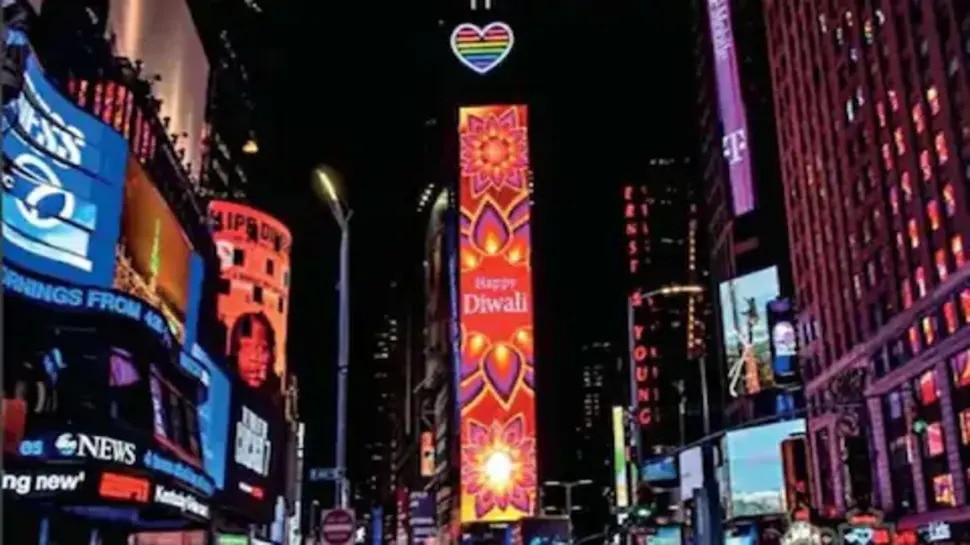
x=660, y=469
x=213, y=412
x=63, y=187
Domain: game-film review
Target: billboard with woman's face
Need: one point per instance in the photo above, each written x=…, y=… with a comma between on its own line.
x=254, y=255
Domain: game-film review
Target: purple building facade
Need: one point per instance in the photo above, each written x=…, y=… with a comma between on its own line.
x=872, y=103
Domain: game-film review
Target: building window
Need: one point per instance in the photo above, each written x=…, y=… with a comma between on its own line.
x=956, y=248
x=918, y=121
x=926, y=169
x=950, y=317
x=913, y=229
x=940, y=260
x=949, y=200
x=900, y=141
x=920, y=275
x=942, y=153
x=907, y=186
x=933, y=213
x=933, y=99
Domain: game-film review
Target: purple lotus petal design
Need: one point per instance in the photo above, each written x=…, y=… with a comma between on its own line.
x=470, y=390
x=519, y=499
x=529, y=378
x=490, y=233
x=469, y=366
x=464, y=222
x=520, y=212
x=503, y=366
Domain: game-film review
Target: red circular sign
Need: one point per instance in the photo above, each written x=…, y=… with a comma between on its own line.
x=338, y=526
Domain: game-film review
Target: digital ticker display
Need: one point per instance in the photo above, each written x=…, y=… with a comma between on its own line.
x=62, y=185
x=496, y=377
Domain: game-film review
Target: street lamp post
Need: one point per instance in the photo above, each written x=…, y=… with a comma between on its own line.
x=681, y=289
x=325, y=187
x=568, y=487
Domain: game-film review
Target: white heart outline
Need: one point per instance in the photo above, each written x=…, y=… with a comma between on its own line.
x=481, y=31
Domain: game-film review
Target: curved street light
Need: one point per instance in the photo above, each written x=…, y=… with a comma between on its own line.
x=325, y=185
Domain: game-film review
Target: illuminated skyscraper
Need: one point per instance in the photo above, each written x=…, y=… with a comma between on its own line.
x=873, y=119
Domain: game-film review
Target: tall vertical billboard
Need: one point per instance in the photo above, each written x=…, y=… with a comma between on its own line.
x=621, y=479
x=254, y=257
x=734, y=120
x=496, y=393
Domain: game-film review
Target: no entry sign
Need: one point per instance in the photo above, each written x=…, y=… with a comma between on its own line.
x=337, y=527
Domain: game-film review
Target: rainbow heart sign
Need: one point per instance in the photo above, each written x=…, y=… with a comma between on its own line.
x=482, y=48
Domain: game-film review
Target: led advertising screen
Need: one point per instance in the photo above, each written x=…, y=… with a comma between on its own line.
x=664, y=535
x=734, y=119
x=213, y=413
x=162, y=35
x=691, y=467
x=155, y=247
x=423, y=509
x=496, y=391
x=62, y=185
x=747, y=341
x=660, y=470
x=784, y=342
x=545, y=531
x=254, y=256
x=255, y=448
x=755, y=467
x=620, y=477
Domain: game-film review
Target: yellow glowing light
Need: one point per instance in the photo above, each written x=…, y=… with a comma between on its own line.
x=477, y=342
x=523, y=336
x=514, y=256
x=498, y=469
x=501, y=353
x=492, y=245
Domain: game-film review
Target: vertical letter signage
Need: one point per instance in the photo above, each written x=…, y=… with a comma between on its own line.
x=496, y=395
x=646, y=394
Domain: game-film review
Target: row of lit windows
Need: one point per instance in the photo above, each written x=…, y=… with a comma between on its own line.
x=929, y=432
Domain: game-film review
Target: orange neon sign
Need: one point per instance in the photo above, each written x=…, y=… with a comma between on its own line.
x=115, y=486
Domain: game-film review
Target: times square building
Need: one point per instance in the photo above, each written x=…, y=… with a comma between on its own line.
x=120, y=424
x=875, y=156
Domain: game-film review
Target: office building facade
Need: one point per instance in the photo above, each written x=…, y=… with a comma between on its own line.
x=873, y=122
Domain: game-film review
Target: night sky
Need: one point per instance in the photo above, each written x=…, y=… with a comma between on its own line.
x=353, y=85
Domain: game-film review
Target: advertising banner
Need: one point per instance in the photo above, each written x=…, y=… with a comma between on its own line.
x=747, y=340
x=784, y=342
x=423, y=510
x=255, y=448
x=254, y=255
x=734, y=119
x=755, y=466
x=496, y=392
x=545, y=531
x=80, y=485
x=620, y=476
x=660, y=470
x=62, y=189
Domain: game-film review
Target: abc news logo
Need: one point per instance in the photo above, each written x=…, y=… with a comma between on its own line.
x=96, y=447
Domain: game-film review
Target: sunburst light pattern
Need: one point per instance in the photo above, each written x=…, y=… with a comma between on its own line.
x=496, y=383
